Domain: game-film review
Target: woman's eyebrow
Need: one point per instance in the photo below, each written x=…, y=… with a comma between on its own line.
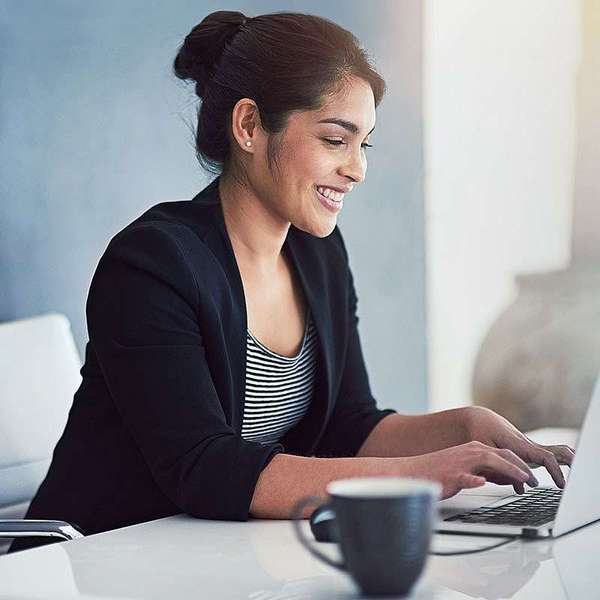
x=345, y=124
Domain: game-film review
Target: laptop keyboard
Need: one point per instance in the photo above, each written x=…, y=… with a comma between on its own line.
x=534, y=508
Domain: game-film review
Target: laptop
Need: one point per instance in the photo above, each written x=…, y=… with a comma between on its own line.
x=544, y=511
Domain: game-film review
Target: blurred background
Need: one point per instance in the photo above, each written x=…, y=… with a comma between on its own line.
x=473, y=240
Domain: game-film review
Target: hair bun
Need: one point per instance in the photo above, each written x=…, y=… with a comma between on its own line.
x=204, y=45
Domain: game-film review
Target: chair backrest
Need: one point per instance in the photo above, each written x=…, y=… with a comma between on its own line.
x=39, y=373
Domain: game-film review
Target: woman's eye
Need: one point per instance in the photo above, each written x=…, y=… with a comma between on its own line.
x=340, y=142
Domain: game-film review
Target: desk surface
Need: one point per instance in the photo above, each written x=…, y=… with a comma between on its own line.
x=182, y=557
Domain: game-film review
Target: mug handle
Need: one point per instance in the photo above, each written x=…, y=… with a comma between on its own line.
x=297, y=512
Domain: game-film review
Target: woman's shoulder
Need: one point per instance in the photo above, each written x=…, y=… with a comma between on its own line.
x=181, y=224
x=185, y=223
x=172, y=246
x=158, y=249
x=178, y=221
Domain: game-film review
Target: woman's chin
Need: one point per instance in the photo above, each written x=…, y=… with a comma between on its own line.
x=321, y=228
x=325, y=229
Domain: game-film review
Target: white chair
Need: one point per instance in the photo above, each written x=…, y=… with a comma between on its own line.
x=39, y=374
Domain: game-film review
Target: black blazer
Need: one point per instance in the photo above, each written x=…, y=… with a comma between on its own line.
x=154, y=429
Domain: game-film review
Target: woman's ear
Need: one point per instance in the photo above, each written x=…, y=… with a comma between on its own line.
x=245, y=124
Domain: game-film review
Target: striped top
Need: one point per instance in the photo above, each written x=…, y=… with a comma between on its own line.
x=278, y=388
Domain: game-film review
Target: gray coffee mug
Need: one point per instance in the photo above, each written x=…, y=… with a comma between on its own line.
x=384, y=526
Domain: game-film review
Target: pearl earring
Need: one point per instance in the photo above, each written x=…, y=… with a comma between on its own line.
x=248, y=143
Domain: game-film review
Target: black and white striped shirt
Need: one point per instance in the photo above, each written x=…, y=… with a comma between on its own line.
x=278, y=388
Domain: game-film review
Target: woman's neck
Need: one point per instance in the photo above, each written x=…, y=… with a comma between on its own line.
x=257, y=235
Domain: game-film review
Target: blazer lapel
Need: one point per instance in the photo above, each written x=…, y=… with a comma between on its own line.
x=304, y=437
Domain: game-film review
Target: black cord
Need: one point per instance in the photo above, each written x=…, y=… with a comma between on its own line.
x=458, y=553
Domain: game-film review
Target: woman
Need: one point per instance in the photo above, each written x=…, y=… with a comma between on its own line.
x=224, y=375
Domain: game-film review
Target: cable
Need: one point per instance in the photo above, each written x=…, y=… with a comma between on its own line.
x=459, y=552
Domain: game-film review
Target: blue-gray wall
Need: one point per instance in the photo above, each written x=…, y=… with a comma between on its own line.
x=94, y=129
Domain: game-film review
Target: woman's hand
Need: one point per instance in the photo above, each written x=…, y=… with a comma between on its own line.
x=471, y=465
x=486, y=426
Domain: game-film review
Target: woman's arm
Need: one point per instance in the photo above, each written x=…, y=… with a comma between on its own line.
x=410, y=435
x=288, y=478
x=402, y=435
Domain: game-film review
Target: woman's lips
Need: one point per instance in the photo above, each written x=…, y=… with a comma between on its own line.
x=330, y=205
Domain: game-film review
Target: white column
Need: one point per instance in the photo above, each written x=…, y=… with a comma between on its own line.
x=499, y=114
x=586, y=221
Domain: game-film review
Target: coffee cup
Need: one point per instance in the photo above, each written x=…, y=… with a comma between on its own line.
x=384, y=527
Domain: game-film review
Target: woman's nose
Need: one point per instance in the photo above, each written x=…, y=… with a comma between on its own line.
x=356, y=167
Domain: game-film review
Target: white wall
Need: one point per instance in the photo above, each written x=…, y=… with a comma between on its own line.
x=499, y=114
x=586, y=221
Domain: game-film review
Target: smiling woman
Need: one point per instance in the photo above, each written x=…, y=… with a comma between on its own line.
x=224, y=374
x=290, y=123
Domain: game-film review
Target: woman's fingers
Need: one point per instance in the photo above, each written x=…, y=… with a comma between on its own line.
x=545, y=457
x=472, y=464
x=498, y=464
x=550, y=457
x=468, y=480
x=519, y=488
x=564, y=454
x=519, y=462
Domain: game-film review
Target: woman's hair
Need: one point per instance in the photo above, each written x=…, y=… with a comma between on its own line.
x=283, y=61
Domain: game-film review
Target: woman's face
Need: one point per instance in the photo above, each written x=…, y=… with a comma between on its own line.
x=316, y=155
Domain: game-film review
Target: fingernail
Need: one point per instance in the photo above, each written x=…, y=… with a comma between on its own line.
x=534, y=482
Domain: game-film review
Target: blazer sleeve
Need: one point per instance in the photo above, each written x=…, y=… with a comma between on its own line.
x=355, y=413
x=142, y=319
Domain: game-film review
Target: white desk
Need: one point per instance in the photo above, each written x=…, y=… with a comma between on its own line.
x=181, y=557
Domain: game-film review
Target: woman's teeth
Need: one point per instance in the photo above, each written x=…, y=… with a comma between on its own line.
x=330, y=194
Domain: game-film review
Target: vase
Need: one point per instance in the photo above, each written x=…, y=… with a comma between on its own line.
x=539, y=361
